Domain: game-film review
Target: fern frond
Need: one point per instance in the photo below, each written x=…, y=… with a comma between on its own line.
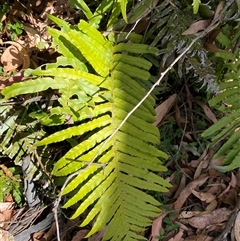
x=114, y=173
x=228, y=126
x=168, y=24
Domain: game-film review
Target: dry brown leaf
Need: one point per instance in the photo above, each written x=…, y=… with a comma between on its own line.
x=98, y=236
x=204, y=196
x=33, y=36
x=203, y=160
x=11, y=59
x=237, y=227
x=22, y=56
x=215, y=217
x=5, y=217
x=156, y=227
x=197, y=26
x=218, y=9
x=49, y=235
x=181, y=186
x=198, y=238
x=162, y=109
x=211, y=206
x=188, y=214
x=9, y=198
x=232, y=183
x=178, y=236
x=195, y=163
x=213, y=48
x=38, y=236
x=80, y=235
x=211, y=116
x=8, y=173
x=230, y=197
x=188, y=190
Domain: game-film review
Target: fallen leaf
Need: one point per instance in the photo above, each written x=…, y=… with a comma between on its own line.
x=204, y=159
x=197, y=26
x=218, y=9
x=11, y=59
x=5, y=217
x=237, y=227
x=188, y=214
x=230, y=197
x=38, y=236
x=232, y=183
x=203, y=196
x=215, y=217
x=156, y=227
x=211, y=206
x=8, y=173
x=49, y=235
x=20, y=57
x=188, y=190
x=181, y=186
x=80, y=235
x=98, y=236
x=198, y=238
x=210, y=115
x=162, y=109
x=178, y=236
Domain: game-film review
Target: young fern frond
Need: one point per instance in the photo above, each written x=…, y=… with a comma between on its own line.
x=112, y=187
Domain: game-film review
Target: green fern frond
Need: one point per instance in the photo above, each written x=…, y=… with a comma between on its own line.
x=114, y=173
x=228, y=127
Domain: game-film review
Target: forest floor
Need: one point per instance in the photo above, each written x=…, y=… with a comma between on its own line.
x=202, y=205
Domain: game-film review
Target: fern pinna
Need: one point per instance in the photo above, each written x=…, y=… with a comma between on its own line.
x=112, y=187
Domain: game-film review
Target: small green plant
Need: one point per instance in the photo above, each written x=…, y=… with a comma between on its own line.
x=168, y=225
x=11, y=184
x=15, y=29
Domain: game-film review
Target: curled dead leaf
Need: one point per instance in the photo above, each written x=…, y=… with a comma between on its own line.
x=156, y=227
x=14, y=56
x=204, y=196
x=215, y=217
x=11, y=59
x=197, y=26
x=188, y=190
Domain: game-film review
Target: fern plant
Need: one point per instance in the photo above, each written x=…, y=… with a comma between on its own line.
x=98, y=83
x=227, y=101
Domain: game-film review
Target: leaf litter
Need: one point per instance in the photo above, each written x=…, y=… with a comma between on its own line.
x=205, y=200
